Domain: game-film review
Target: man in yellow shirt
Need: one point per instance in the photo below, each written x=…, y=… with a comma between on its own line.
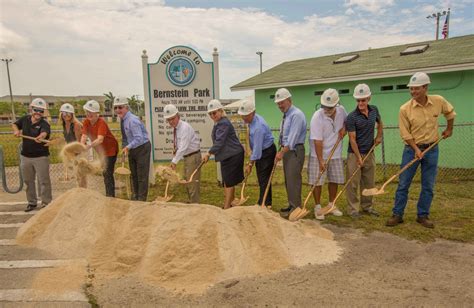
x=418, y=122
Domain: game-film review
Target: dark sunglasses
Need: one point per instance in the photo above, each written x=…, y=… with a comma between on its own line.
x=37, y=110
x=118, y=107
x=361, y=100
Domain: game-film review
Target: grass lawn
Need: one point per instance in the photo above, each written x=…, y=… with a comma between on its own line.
x=452, y=210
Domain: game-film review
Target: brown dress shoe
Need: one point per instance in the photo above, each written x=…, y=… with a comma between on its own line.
x=394, y=220
x=425, y=222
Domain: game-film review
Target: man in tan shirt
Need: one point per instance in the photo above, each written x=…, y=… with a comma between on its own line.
x=418, y=122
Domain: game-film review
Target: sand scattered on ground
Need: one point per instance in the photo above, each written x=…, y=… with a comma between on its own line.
x=176, y=246
x=75, y=154
x=68, y=277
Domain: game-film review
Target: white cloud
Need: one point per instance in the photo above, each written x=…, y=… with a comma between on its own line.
x=372, y=6
x=108, y=5
x=10, y=41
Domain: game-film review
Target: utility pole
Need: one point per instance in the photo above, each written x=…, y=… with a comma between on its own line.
x=260, y=54
x=437, y=15
x=10, y=86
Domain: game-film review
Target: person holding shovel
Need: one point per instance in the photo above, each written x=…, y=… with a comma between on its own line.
x=186, y=146
x=291, y=142
x=326, y=128
x=34, y=161
x=72, y=128
x=227, y=149
x=263, y=148
x=418, y=122
x=96, y=129
x=136, y=145
x=360, y=125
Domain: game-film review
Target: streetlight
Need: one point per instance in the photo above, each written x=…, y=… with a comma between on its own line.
x=260, y=54
x=10, y=86
x=437, y=15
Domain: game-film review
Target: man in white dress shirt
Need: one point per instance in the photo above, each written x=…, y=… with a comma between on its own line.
x=186, y=145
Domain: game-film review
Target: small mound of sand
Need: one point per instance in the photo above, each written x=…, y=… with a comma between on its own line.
x=168, y=174
x=172, y=245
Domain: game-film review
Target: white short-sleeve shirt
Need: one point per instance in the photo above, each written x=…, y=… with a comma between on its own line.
x=325, y=129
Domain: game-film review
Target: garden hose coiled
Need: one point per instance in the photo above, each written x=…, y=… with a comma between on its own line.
x=4, y=174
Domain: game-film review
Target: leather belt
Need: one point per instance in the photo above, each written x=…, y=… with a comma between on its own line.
x=195, y=152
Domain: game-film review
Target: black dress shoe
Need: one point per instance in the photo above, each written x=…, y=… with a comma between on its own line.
x=286, y=209
x=30, y=207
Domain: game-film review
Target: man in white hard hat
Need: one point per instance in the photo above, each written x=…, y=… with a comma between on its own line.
x=326, y=128
x=418, y=122
x=34, y=154
x=136, y=145
x=102, y=140
x=186, y=146
x=263, y=148
x=291, y=142
x=360, y=125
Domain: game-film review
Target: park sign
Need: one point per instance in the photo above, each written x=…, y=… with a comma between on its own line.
x=182, y=78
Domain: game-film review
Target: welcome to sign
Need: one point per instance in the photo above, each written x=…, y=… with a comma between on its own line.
x=182, y=78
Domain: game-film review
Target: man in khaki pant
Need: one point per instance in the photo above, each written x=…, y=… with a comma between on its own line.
x=360, y=125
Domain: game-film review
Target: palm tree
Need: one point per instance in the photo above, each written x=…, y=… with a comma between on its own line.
x=109, y=102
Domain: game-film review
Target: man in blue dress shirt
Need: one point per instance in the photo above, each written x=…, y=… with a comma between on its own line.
x=292, y=139
x=137, y=146
x=263, y=148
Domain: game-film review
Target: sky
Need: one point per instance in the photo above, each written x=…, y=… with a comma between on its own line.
x=90, y=47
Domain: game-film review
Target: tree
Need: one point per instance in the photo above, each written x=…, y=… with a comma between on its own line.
x=109, y=102
x=136, y=105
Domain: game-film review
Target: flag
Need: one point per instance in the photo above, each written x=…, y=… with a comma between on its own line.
x=445, y=31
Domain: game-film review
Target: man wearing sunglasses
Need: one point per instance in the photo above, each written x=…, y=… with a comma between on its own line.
x=135, y=144
x=360, y=125
x=34, y=154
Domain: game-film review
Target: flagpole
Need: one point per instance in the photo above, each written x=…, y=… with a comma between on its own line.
x=449, y=20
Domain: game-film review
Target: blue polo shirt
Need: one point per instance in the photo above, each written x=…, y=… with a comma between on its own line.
x=364, y=127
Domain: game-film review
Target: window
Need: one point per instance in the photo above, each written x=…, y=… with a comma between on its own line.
x=386, y=88
x=414, y=50
x=317, y=93
x=344, y=91
x=346, y=59
x=402, y=87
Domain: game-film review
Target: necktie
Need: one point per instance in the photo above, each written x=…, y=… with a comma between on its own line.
x=124, y=137
x=280, y=140
x=175, y=146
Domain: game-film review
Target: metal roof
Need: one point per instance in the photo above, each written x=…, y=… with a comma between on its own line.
x=452, y=54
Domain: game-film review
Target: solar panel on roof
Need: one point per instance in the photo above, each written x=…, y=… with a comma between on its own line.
x=414, y=49
x=346, y=59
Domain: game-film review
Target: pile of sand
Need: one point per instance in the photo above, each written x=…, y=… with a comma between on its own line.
x=175, y=246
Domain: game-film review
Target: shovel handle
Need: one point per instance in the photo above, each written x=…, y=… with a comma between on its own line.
x=268, y=185
x=123, y=160
x=354, y=173
x=195, y=171
x=34, y=139
x=414, y=160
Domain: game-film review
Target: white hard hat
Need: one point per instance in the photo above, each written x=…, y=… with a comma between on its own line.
x=92, y=106
x=419, y=79
x=362, y=91
x=282, y=94
x=170, y=111
x=214, y=105
x=39, y=103
x=330, y=98
x=67, y=108
x=120, y=101
x=246, y=108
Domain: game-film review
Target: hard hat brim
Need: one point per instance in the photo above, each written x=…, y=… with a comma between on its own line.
x=362, y=96
x=170, y=115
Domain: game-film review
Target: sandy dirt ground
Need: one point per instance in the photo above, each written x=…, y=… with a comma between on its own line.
x=374, y=270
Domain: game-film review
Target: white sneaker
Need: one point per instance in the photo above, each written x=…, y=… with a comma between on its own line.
x=336, y=212
x=316, y=209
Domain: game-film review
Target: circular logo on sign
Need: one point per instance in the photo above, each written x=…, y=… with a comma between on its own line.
x=181, y=72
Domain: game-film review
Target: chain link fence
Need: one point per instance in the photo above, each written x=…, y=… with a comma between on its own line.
x=456, y=161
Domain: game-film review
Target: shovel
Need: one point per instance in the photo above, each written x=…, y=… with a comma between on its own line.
x=332, y=205
x=122, y=170
x=375, y=191
x=192, y=174
x=243, y=199
x=47, y=142
x=165, y=198
x=299, y=213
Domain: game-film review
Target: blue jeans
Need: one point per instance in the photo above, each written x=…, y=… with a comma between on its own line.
x=429, y=168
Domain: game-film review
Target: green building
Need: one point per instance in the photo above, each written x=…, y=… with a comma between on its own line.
x=449, y=63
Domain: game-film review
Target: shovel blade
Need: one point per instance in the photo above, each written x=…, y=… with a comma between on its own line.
x=294, y=214
x=164, y=198
x=303, y=213
x=372, y=191
x=239, y=202
x=122, y=171
x=326, y=210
